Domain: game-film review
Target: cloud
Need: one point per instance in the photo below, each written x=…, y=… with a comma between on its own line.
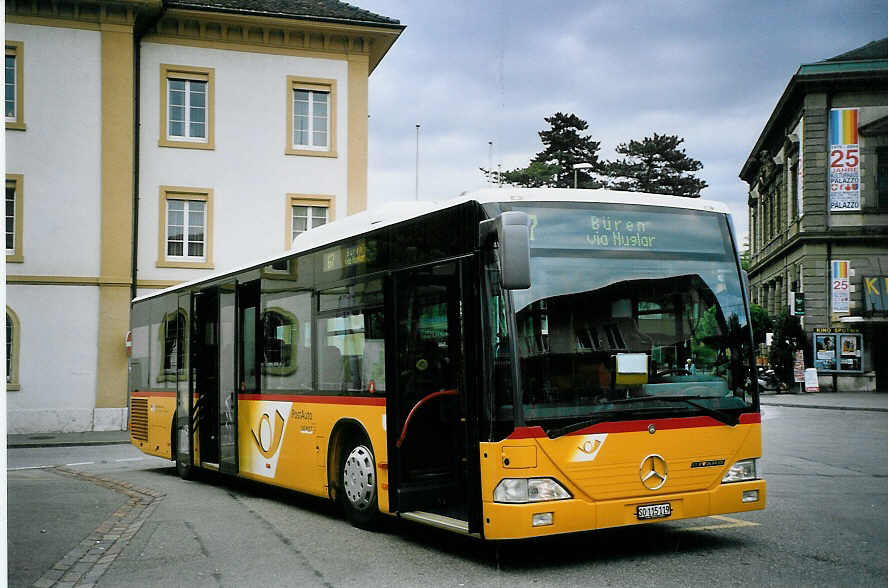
x=475, y=72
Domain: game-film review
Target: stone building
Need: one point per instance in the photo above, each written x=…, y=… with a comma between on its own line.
x=818, y=213
x=153, y=142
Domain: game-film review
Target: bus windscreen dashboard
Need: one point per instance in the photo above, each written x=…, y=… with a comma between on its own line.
x=609, y=281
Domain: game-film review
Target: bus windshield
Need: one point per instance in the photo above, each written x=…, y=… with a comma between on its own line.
x=633, y=312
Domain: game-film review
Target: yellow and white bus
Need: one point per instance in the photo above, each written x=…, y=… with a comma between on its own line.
x=509, y=364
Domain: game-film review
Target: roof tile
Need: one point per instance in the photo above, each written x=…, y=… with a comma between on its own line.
x=302, y=9
x=873, y=50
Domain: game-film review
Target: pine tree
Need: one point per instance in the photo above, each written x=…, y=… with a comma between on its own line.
x=656, y=165
x=565, y=145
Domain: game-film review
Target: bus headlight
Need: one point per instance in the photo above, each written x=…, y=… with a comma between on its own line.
x=745, y=469
x=523, y=490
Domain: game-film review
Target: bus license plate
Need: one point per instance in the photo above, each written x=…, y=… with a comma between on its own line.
x=653, y=511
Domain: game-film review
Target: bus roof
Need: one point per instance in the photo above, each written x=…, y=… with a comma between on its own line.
x=399, y=211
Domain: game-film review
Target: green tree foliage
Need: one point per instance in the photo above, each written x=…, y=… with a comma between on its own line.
x=565, y=145
x=788, y=336
x=657, y=165
x=745, y=256
x=535, y=175
x=761, y=323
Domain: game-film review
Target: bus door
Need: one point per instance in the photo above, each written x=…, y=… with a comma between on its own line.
x=205, y=373
x=227, y=379
x=428, y=435
x=184, y=404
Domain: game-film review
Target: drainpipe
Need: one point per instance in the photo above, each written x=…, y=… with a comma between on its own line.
x=835, y=376
x=139, y=32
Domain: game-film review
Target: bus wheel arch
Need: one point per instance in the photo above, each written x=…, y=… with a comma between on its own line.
x=350, y=450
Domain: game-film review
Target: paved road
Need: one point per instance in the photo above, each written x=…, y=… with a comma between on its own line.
x=825, y=525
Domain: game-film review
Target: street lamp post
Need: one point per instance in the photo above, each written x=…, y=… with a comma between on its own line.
x=416, y=193
x=577, y=166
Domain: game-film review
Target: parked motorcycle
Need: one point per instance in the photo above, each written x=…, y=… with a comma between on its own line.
x=768, y=380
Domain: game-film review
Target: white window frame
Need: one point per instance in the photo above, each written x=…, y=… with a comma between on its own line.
x=310, y=217
x=311, y=201
x=314, y=87
x=313, y=100
x=188, y=107
x=189, y=208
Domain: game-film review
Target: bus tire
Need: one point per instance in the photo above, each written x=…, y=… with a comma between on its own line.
x=185, y=471
x=359, y=493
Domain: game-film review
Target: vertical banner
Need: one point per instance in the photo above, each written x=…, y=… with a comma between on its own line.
x=798, y=367
x=841, y=289
x=801, y=175
x=844, y=160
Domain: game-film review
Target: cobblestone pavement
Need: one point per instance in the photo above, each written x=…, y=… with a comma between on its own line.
x=85, y=564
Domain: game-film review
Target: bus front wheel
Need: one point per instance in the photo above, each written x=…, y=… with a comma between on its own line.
x=359, y=496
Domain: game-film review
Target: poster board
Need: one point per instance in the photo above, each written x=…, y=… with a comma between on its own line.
x=837, y=351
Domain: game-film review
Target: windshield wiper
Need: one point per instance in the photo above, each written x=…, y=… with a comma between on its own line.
x=730, y=419
x=719, y=415
x=601, y=418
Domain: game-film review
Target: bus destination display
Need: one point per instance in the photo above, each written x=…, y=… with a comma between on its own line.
x=599, y=228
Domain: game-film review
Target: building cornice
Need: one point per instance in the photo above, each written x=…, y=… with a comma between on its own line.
x=259, y=32
x=264, y=34
x=97, y=14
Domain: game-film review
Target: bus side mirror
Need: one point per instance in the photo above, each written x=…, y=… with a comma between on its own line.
x=512, y=231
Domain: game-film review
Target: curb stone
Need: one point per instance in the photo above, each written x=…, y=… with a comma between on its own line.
x=84, y=565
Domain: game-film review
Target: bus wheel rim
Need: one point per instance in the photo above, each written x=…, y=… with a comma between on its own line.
x=359, y=478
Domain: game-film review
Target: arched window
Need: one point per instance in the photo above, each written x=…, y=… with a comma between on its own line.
x=278, y=334
x=13, y=337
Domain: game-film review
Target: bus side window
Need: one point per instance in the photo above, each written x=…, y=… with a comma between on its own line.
x=286, y=350
x=351, y=352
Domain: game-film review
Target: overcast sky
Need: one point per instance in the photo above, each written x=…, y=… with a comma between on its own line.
x=470, y=72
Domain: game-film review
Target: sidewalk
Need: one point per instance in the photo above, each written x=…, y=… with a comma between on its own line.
x=870, y=401
x=68, y=439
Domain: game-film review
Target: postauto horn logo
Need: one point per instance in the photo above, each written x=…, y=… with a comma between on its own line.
x=268, y=440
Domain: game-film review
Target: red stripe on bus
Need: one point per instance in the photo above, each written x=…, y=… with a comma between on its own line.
x=353, y=400
x=154, y=393
x=641, y=425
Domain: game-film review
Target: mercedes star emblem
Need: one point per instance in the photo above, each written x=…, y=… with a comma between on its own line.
x=653, y=472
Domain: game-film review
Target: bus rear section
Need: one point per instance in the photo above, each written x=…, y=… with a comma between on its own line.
x=622, y=378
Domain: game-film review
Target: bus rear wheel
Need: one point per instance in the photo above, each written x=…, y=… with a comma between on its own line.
x=359, y=495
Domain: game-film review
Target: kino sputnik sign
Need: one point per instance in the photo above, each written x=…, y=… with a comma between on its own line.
x=844, y=160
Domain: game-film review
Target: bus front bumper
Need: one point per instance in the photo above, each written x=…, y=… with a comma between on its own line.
x=520, y=521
